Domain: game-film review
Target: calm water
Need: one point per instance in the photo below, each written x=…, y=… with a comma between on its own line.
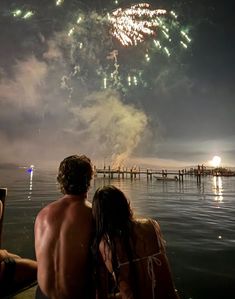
x=197, y=221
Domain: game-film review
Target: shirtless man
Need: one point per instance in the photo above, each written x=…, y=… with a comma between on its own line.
x=63, y=232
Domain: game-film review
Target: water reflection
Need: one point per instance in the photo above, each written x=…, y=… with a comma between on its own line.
x=218, y=188
x=201, y=189
x=30, y=171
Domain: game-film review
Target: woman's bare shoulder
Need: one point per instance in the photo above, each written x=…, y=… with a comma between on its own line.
x=147, y=226
x=144, y=222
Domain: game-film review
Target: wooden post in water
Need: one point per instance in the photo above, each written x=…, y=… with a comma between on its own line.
x=135, y=173
x=198, y=174
x=3, y=194
x=110, y=172
x=94, y=171
x=181, y=175
x=119, y=172
x=104, y=172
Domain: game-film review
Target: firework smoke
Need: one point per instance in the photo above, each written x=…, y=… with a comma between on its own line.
x=112, y=129
x=89, y=113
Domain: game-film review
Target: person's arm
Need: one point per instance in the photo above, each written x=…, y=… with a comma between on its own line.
x=25, y=272
x=105, y=273
x=15, y=272
x=106, y=255
x=101, y=280
x=165, y=280
x=7, y=257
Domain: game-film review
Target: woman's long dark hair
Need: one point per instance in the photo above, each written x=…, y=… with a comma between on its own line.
x=113, y=218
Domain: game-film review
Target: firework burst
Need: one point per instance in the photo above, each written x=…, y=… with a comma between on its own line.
x=98, y=44
x=132, y=25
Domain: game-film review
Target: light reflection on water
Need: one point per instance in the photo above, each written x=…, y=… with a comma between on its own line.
x=197, y=221
x=30, y=171
x=218, y=188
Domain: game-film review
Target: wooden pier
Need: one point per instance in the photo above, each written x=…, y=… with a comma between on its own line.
x=137, y=173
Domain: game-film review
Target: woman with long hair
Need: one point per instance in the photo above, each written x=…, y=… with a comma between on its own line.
x=131, y=249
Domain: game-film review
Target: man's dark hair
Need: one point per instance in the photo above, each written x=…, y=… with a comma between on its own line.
x=74, y=175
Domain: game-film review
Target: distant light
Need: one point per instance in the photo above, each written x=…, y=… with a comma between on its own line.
x=157, y=44
x=185, y=35
x=30, y=170
x=215, y=162
x=105, y=83
x=129, y=80
x=71, y=31
x=59, y=2
x=174, y=14
x=166, y=35
x=79, y=20
x=147, y=57
x=17, y=13
x=183, y=44
x=167, y=51
x=135, y=80
x=28, y=15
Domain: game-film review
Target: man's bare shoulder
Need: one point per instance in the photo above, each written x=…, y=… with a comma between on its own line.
x=49, y=211
x=45, y=210
x=68, y=207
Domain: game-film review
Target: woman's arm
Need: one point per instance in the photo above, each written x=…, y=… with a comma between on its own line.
x=106, y=275
x=166, y=287
x=101, y=280
x=106, y=254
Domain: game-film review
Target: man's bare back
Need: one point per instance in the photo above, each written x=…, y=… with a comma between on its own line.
x=63, y=234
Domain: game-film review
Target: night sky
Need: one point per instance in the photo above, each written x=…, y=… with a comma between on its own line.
x=183, y=116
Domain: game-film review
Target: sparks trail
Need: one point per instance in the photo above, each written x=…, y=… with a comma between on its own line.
x=130, y=26
x=138, y=31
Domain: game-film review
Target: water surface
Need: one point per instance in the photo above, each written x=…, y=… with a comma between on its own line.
x=197, y=221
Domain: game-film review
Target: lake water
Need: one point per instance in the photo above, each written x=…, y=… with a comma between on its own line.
x=197, y=221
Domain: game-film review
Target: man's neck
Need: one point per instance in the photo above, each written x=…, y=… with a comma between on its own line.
x=79, y=197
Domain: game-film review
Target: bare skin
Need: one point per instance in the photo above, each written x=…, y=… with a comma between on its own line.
x=25, y=270
x=145, y=241
x=63, y=232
